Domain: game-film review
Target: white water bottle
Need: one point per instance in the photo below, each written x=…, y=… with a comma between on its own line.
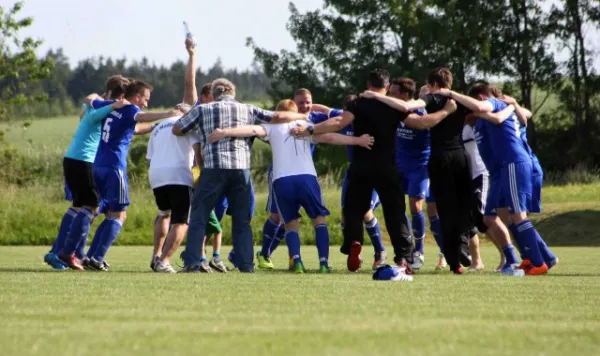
x=188, y=34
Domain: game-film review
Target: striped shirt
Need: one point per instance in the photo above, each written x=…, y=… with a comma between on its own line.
x=229, y=153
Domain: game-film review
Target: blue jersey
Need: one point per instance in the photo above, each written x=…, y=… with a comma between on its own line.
x=117, y=132
x=506, y=137
x=84, y=144
x=413, y=147
x=484, y=146
x=316, y=118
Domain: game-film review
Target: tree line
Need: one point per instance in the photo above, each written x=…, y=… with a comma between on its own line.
x=517, y=41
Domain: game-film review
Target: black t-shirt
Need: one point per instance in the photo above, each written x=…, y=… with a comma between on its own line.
x=379, y=120
x=447, y=135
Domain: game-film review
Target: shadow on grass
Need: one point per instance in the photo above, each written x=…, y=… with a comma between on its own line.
x=573, y=228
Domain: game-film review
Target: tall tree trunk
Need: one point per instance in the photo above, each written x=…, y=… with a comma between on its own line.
x=586, y=115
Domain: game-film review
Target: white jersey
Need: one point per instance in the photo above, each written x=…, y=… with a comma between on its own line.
x=477, y=165
x=171, y=157
x=291, y=156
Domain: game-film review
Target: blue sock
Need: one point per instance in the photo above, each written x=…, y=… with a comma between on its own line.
x=269, y=230
x=202, y=258
x=510, y=255
x=79, y=230
x=80, y=250
x=322, y=239
x=435, y=225
x=293, y=242
x=63, y=230
x=216, y=253
x=109, y=235
x=96, y=241
x=279, y=236
x=374, y=232
x=514, y=232
x=527, y=236
x=548, y=256
x=418, y=229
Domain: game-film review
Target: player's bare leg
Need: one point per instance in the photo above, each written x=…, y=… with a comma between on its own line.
x=161, y=229
x=477, y=263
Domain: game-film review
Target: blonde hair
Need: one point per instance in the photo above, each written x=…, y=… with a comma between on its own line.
x=286, y=105
x=222, y=87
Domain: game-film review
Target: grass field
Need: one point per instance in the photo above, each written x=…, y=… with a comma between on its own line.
x=130, y=310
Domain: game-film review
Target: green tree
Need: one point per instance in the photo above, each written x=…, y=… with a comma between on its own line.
x=20, y=68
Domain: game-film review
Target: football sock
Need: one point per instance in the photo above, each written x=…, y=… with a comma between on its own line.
x=322, y=240
x=548, y=256
x=63, y=230
x=514, y=232
x=96, y=241
x=79, y=230
x=528, y=239
x=279, y=236
x=293, y=242
x=418, y=229
x=269, y=230
x=109, y=235
x=374, y=232
x=510, y=255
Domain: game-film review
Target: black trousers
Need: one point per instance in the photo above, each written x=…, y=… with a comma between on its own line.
x=452, y=187
x=362, y=179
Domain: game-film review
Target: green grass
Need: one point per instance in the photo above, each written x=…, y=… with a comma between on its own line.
x=130, y=310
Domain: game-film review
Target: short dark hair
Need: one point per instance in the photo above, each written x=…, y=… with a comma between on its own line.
x=405, y=85
x=206, y=89
x=442, y=76
x=302, y=91
x=379, y=78
x=116, y=86
x=349, y=98
x=496, y=92
x=136, y=87
x=480, y=89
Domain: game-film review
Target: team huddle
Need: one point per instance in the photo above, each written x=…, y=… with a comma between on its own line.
x=464, y=159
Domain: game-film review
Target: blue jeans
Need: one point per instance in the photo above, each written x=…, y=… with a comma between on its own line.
x=213, y=184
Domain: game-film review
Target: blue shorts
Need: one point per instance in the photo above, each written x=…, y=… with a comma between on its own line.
x=291, y=193
x=494, y=199
x=537, y=176
x=113, y=187
x=223, y=204
x=271, y=206
x=375, y=202
x=429, y=198
x=416, y=182
x=516, y=186
x=68, y=194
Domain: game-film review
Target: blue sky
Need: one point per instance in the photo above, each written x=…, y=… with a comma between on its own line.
x=153, y=28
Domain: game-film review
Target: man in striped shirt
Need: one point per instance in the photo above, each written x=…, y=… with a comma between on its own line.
x=225, y=170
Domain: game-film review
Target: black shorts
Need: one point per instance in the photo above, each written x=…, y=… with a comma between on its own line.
x=480, y=190
x=79, y=176
x=175, y=199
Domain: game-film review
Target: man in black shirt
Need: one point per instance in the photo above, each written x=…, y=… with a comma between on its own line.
x=449, y=166
x=372, y=169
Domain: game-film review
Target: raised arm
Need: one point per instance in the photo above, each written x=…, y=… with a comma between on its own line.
x=471, y=103
x=240, y=131
x=430, y=120
x=365, y=140
x=496, y=118
x=190, y=93
x=398, y=104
